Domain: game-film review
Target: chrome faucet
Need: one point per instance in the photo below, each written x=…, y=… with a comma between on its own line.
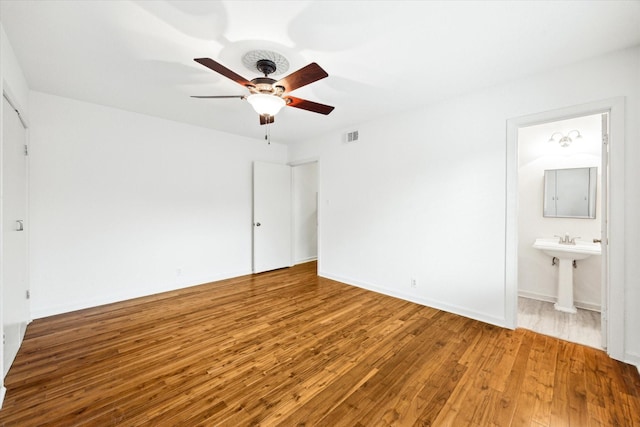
x=563, y=240
x=566, y=240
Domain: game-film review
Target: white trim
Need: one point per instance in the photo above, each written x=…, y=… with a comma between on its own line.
x=616, y=213
x=591, y=306
x=292, y=241
x=304, y=161
x=3, y=392
x=306, y=260
x=319, y=218
x=476, y=315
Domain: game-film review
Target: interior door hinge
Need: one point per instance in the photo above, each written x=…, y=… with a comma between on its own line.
x=28, y=294
x=26, y=150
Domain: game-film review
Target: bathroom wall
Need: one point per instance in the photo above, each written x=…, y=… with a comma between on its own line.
x=537, y=278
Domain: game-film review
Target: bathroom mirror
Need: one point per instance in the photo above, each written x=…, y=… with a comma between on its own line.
x=570, y=193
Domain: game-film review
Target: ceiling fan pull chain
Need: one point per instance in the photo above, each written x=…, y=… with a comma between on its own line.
x=267, y=131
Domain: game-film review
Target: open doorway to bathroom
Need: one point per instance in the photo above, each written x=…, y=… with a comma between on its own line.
x=613, y=304
x=568, y=148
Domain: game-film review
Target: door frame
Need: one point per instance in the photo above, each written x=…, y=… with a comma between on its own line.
x=615, y=209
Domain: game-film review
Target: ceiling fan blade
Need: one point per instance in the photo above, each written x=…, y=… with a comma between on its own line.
x=218, y=96
x=305, y=75
x=309, y=105
x=221, y=69
x=264, y=119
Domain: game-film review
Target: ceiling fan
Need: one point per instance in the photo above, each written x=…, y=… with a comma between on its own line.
x=266, y=95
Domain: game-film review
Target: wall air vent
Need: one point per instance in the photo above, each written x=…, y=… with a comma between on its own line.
x=352, y=136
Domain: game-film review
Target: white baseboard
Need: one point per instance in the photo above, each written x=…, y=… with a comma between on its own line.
x=3, y=391
x=419, y=300
x=548, y=298
x=306, y=260
x=633, y=359
x=181, y=283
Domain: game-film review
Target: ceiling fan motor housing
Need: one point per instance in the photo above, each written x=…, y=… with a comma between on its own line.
x=266, y=85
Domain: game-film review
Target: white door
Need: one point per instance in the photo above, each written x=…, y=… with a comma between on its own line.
x=604, y=235
x=15, y=304
x=271, y=216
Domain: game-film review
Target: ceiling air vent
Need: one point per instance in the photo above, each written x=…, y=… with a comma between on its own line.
x=352, y=136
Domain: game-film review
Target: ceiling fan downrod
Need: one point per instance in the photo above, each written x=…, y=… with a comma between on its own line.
x=266, y=66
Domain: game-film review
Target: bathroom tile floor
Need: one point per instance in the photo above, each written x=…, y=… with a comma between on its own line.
x=540, y=316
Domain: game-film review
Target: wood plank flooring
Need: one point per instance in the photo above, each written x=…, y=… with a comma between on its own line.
x=582, y=327
x=289, y=348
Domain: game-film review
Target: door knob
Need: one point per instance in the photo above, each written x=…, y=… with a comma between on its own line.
x=257, y=224
x=597, y=240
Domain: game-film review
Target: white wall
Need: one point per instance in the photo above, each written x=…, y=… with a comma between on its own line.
x=305, y=212
x=13, y=80
x=537, y=278
x=125, y=205
x=423, y=194
x=414, y=198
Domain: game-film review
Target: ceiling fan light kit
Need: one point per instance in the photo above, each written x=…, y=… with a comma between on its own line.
x=267, y=96
x=267, y=105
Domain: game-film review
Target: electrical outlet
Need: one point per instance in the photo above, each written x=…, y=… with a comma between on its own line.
x=414, y=283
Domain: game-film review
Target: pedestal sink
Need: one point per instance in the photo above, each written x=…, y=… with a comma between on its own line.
x=566, y=253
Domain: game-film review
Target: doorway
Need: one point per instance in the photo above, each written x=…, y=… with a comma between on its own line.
x=560, y=192
x=613, y=301
x=285, y=214
x=305, y=212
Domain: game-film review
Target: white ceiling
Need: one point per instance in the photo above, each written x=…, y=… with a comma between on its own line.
x=382, y=57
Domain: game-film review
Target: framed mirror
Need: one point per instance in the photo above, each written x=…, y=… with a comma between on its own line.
x=570, y=193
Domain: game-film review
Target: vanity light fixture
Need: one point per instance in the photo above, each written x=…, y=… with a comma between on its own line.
x=565, y=140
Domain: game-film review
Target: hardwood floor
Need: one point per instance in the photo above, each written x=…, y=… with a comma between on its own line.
x=289, y=348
